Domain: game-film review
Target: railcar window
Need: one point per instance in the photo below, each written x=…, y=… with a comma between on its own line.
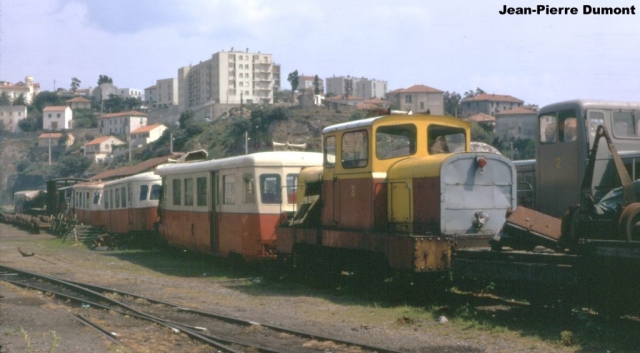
x=201, y=186
x=144, y=190
x=113, y=205
x=249, y=189
x=155, y=192
x=445, y=139
x=292, y=181
x=396, y=141
x=117, y=204
x=123, y=191
x=96, y=197
x=330, y=151
x=229, y=189
x=188, y=191
x=558, y=126
x=177, y=192
x=106, y=199
x=270, y=188
x=625, y=124
x=86, y=200
x=548, y=128
x=355, y=149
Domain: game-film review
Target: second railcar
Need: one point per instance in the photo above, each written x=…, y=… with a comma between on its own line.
x=86, y=202
x=131, y=203
x=232, y=205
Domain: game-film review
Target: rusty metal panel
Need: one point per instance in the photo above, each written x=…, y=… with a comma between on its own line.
x=532, y=227
x=432, y=254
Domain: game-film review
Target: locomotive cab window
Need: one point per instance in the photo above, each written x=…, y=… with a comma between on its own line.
x=270, y=188
x=396, y=141
x=330, y=151
x=355, y=149
x=445, y=139
x=558, y=126
x=625, y=124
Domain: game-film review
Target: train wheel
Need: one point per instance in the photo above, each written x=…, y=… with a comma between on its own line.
x=629, y=224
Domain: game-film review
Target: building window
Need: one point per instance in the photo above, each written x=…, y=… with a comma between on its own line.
x=407, y=99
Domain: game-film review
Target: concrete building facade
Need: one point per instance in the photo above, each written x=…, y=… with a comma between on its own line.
x=10, y=115
x=361, y=86
x=418, y=99
x=102, y=147
x=146, y=134
x=305, y=82
x=121, y=123
x=57, y=118
x=232, y=77
x=489, y=104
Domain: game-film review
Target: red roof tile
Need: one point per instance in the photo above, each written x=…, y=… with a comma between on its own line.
x=101, y=139
x=493, y=98
x=420, y=89
x=146, y=128
x=47, y=135
x=55, y=108
x=78, y=99
x=145, y=166
x=517, y=111
x=129, y=113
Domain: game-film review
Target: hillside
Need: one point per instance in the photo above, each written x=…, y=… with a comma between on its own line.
x=25, y=166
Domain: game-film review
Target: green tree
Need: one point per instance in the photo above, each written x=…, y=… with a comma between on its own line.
x=20, y=100
x=293, y=79
x=104, y=79
x=84, y=119
x=75, y=83
x=47, y=98
x=185, y=117
x=30, y=123
x=4, y=99
x=131, y=103
x=114, y=104
x=69, y=166
x=452, y=103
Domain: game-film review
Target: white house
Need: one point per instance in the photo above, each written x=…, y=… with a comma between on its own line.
x=121, y=123
x=100, y=148
x=10, y=115
x=54, y=139
x=57, y=117
x=146, y=134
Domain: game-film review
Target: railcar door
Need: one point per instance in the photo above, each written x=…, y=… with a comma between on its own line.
x=213, y=214
x=559, y=159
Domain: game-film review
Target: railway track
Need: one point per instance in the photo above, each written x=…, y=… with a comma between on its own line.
x=224, y=333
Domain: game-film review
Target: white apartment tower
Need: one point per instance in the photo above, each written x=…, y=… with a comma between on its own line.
x=231, y=77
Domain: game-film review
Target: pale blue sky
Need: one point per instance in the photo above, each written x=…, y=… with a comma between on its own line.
x=448, y=45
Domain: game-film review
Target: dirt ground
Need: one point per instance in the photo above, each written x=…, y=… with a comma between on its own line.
x=30, y=324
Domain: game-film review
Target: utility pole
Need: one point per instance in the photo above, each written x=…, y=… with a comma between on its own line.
x=246, y=142
x=171, y=143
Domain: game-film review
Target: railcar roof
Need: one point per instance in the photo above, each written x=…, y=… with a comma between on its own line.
x=369, y=121
x=148, y=176
x=89, y=185
x=260, y=159
x=590, y=104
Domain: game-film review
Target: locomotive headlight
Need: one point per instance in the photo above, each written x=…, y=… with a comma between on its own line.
x=480, y=219
x=481, y=161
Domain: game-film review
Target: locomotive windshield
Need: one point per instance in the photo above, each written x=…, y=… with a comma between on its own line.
x=396, y=141
x=445, y=139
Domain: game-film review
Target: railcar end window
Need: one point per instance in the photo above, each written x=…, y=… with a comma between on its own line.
x=201, y=186
x=355, y=149
x=292, y=188
x=249, y=188
x=396, y=141
x=558, y=126
x=330, y=151
x=445, y=139
x=188, y=191
x=144, y=191
x=229, y=196
x=177, y=192
x=270, y=188
x=123, y=191
x=155, y=192
x=96, y=197
x=117, y=204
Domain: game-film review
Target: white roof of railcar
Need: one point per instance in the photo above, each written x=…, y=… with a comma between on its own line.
x=261, y=159
x=148, y=176
x=89, y=185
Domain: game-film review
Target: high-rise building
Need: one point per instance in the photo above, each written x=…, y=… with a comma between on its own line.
x=360, y=86
x=231, y=77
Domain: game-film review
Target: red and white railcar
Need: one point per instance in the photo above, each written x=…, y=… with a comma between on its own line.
x=232, y=205
x=131, y=203
x=86, y=202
